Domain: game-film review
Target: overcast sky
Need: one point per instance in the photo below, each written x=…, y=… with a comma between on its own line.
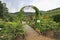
x=16, y=5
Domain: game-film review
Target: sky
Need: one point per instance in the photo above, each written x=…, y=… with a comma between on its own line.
x=44, y=5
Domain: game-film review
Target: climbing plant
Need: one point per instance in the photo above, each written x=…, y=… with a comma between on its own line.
x=37, y=16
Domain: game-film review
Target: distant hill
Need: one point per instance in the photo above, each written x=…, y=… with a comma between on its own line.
x=53, y=12
x=27, y=13
x=49, y=13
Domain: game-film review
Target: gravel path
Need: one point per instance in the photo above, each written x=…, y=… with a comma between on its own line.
x=31, y=34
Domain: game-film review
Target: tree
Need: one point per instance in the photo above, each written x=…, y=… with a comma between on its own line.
x=5, y=12
x=1, y=10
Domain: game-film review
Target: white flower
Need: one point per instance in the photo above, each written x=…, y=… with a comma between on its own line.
x=38, y=21
x=0, y=28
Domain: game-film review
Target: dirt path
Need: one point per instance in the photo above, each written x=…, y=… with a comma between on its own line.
x=31, y=34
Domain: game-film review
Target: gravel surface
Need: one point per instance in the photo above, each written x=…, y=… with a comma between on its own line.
x=31, y=34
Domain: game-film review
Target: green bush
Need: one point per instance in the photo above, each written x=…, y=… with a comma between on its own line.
x=46, y=24
x=9, y=30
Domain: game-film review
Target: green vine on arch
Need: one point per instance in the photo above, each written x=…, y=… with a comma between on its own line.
x=37, y=16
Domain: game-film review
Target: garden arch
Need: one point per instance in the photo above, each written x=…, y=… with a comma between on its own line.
x=37, y=16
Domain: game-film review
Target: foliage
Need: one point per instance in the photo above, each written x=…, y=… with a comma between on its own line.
x=56, y=18
x=12, y=18
x=11, y=25
x=1, y=10
x=52, y=12
x=47, y=24
x=9, y=30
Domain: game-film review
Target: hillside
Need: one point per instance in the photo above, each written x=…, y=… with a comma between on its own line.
x=53, y=12
x=49, y=13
